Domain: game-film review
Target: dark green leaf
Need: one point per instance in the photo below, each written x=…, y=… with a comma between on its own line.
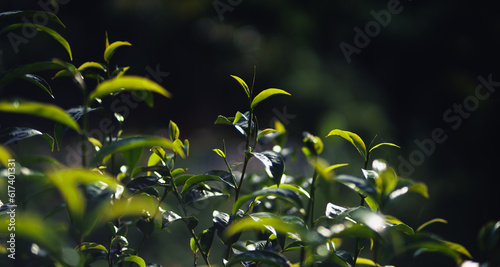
x=282, y=193
x=21, y=71
x=38, y=81
x=49, y=31
x=359, y=185
x=275, y=166
x=145, y=226
x=223, y=120
x=76, y=113
x=224, y=176
x=262, y=256
x=169, y=217
x=14, y=134
x=489, y=236
x=201, y=193
x=17, y=14
x=141, y=183
x=132, y=157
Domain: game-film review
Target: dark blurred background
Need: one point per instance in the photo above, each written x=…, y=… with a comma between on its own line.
x=402, y=83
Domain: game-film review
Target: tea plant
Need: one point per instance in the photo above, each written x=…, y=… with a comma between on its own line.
x=272, y=220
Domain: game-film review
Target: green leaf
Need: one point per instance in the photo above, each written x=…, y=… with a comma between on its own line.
x=273, y=162
x=265, y=94
x=219, y=152
x=243, y=84
x=17, y=14
x=23, y=70
x=5, y=155
x=362, y=186
x=296, y=188
x=110, y=49
x=265, y=132
x=132, y=157
x=435, y=220
x=38, y=81
x=49, y=31
x=135, y=259
x=91, y=245
x=127, y=83
x=353, y=138
x=198, y=179
x=141, y=183
x=92, y=64
x=173, y=130
x=488, y=236
x=47, y=111
x=263, y=256
x=169, y=217
x=223, y=120
x=205, y=239
x=383, y=144
x=281, y=193
x=132, y=143
x=76, y=113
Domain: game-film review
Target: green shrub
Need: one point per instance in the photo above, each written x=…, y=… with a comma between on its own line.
x=123, y=183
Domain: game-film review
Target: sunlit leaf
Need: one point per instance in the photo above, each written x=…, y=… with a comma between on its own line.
x=173, y=130
x=223, y=120
x=127, y=83
x=49, y=31
x=47, y=111
x=435, y=220
x=273, y=162
x=110, y=49
x=243, y=84
x=205, y=239
x=5, y=155
x=90, y=245
x=132, y=143
x=134, y=206
x=353, y=138
x=359, y=185
x=135, y=259
x=219, y=152
x=265, y=94
x=267, y=257
x=383, y=144
x=263, y=221
x=265, y=132
x=91, y=64
x=296, y=188
x=201, y=193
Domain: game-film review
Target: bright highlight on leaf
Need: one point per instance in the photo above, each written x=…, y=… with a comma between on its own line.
x=243, y=84
x=265, y=94
x=5, y=155
x=127, y=83
x=47, y=111
x=353, y=138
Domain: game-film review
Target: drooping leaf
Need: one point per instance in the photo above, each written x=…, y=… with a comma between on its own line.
x=274, y=164
x=49, y=31
x=132, y=143
x=201, y=193
x=17, y=14
x=435, y=220
x=383, y=144
x=353, y=138
x=296, y=188
x=76, y=113
x=360, y=185
x=38, y=81
x=268, y=257
x=111, y=48
x=169, y=217
x=47, y=111
x=267, y=93
x=281, y=193
x=333, y=210
x=243, y=84
x=127, y=83
x=21, y=71
x=265, y=132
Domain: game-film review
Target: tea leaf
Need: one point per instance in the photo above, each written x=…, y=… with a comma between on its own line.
x=198, y=179
x=135, y=259
x=47, y=111
x=49, y=31
x=353, y=138
x=92, y=245
x=281, y=193
x=127, y=83
x=383, y=144
x=21, y=71
x=92, y=64
x=132, y=143
x=273, y=163
x=5, y=155
x=110, y=48
x=265, y=94
x=243, y=84
x=38, y=81
x=435, y=220
x=30, y=13
x=263, y=256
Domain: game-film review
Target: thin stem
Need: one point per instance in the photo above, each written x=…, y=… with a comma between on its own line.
x=309, y=217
